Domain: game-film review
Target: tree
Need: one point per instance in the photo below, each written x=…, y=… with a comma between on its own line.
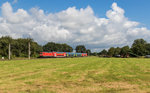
x=147, y=46
x=5, y=46
x=65, y=48
x=94, y=54
x=125, y=51
x=35, y=49
x=88, y=51
x=20, y=48
x=80, y=49
x=111, y=51
x=139, y=47
x=117, y=51
x=51, y=46
x=103, y=52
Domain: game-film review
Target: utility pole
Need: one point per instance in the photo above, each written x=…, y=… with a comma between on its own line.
x=29, y=52
x=9, y=53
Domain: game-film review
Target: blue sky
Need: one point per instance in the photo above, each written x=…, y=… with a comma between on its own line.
x=137, y=10
x=98, y=24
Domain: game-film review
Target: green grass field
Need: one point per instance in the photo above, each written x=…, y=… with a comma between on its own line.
x=75, y=75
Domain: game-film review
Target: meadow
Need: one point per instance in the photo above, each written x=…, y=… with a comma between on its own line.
x=75, y=75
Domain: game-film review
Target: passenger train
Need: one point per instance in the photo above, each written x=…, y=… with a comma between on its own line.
x=61, y=54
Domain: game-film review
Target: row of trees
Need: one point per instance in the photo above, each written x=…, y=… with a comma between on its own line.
x=51, y=46
x=26, y=47
x=82, y=49
x=18, y=47
x=116, y=52
x=139, y=48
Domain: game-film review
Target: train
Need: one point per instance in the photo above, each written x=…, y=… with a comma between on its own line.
x=61, y=54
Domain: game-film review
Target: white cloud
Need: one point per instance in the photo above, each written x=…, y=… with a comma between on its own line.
x=72, y=26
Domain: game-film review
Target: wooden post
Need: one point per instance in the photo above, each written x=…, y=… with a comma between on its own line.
x=9, y=53
x=29, y=52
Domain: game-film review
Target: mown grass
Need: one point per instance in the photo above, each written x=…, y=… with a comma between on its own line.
x=75, y=75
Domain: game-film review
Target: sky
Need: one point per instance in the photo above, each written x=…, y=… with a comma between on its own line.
x=98, y=24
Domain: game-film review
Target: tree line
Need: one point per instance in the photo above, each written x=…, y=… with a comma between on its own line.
x=140, y=47
x=26, y=47
x=20, y=48
x=51, y=46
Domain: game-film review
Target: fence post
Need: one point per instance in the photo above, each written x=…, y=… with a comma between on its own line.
x=9, y=53
x=29, y=52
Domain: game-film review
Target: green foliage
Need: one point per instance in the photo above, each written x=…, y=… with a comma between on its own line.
x=4, y=42
x=147, y=46
x=139, y=47
x=88, y=51
x=80, y=49
x=125, y=51
x=94, y=54
x=103, y=52
x=111, y=51
x=51, y=46
x=117, y=51
x=19, y=47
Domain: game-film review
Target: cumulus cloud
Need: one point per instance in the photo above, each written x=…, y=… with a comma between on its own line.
x=72, y=26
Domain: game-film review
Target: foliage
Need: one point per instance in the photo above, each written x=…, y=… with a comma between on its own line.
x=139, y=47
x=125, y=51
x=94, y=54
x=103, y=52
x=4, y=42
x=117, y=51
x=147, y=46
x=111, y=51
x=80, y=49
x=19, y=47
x=51, y=46
x=88, y=51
